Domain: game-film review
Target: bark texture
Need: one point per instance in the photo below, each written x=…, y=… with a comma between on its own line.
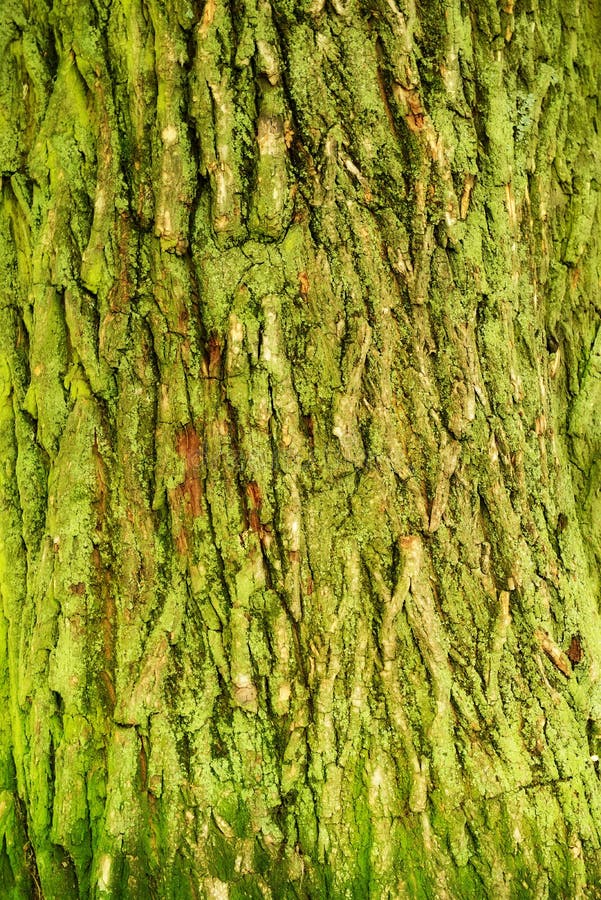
x=300, y=374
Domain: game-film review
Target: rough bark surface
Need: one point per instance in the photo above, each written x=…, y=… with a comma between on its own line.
x=300, y=365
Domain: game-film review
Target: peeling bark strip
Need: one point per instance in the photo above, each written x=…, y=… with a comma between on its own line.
x=300, y=373
x=555, y=654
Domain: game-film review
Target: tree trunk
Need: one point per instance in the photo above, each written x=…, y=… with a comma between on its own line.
x=300, y=517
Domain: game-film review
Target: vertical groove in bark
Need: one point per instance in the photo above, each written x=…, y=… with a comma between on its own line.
x=299, y=516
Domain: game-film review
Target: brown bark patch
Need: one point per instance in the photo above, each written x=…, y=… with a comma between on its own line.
x=410, y=99
x=253, y=512
x=575, y=653
x=188, y=447
x=181, y=542
x=254, y=521
x=214, y=354
x=415, y=121
x=310, y=429
x=303, y=281
x=253, y=492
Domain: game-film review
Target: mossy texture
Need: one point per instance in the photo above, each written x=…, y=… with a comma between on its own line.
x=300, y=379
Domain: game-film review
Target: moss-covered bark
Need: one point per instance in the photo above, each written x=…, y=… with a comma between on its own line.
x=300, y=527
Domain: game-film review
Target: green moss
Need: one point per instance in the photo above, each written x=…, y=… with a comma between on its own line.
x=277, y=286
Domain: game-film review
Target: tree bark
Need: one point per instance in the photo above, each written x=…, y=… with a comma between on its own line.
x=300, y=362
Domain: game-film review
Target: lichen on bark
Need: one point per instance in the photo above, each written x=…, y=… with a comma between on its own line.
x=299, y=496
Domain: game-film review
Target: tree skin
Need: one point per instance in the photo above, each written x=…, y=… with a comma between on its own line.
x=300, y=449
